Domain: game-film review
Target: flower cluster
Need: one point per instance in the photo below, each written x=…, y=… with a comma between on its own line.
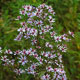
x=44, y=53
x=22, y=58
x=27, y=33
x=49, y=45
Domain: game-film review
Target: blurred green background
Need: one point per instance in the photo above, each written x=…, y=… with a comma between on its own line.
x=67, y=18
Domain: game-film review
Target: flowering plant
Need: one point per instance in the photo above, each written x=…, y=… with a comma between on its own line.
x=43, y=58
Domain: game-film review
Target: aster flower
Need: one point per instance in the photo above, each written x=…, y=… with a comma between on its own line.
x=53, y=33
x=45, y=77
x=12, y=62
x=19, y=71
x=8, y=51
x=18, y=18
x=18, y=38
x=23, y=24
x=31, y=14
x=33, y=66
x=4, y=58
x=34, y=41
x=39, y=23
x=71, y=33
x=27, y=7
x=21, y=30
x=23, y=52
x=23, y=60
x=40, y=60
x=51, y=20
x=23, y=12
x=49, y=69
x=57, y=38
x=17, y=52
x=30, y=71
x=49, y=45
